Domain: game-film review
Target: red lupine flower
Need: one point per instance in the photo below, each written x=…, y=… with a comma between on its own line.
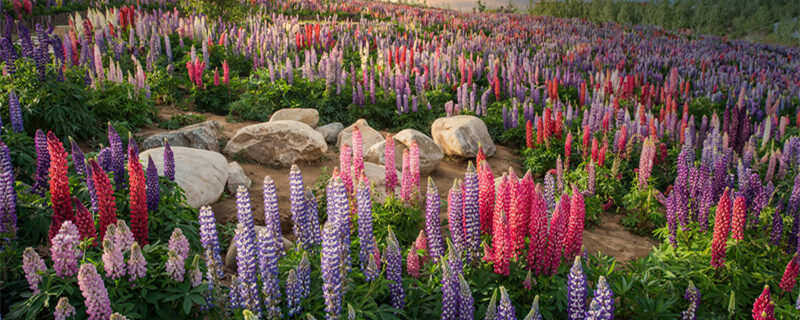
x=623, y=139
x=539, y=132
x=226, y=77
x=486, y=196
x=500, y=243
x=763, y=308
x=789, y=279
x=84, y=222
x=480, y=157
x=59, y=185
x=738, y=219
x=421, y=244
x=216, y=76
x=587, y=134
x=412, y=262
x=573, y=240
x=567, y=149
x=721, y=230
x=555, y=235
x=595, y=150
x=138, y=198
x=529, y=134
x=601, y=157
x=106, y=203
x=538, y=232
x=517, y=209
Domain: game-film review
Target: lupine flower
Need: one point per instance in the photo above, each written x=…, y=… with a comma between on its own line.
x=42, y=163
x=406, y=187
x=59, y=185
x=113, y=261
x=15, y=112
x=763, y=308
x=98, y=306
x=63, y=309
x=312, y=220
x=394, y=271
x=64, y=250
x=421, y=245
x=414, y=166
x=527, y=283
x=117, y=316
x=789, y=279
x=169, y=161
x=505, y=311
x=738, y=218
x=8, y=196
x=573, y=240
x=534, y=314
x=432, y=224
x=471, y=213
x=210, y=242
x=345, y=166
x=78, y=159
x=153, y=185
x=177, y=254
x=365, y=235
x=466, y=309
x=268, y=264
x=555, y=232
x=84, y=221
x=298, y=206
x=603, y=301
x=450, y=293
x=246, y=256
x=721, y=231
x=33, y=266
x=137, y=266
x=117, y=157
x=412, y=262
x=234, y=301
x=293, y=291
x=646, y=162
x=390, y=167
x=358, y=154
x=455, y=216
x=331, y=274
x=486, y=196
x=693, y=295
x=138, y=199
x=271, y=214
x=576, y=291
x=107, y=207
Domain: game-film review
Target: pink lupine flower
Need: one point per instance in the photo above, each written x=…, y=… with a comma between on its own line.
x=113, y=261
x=64, y=251
x=33, y=266
x=414, y=165
x=405, y=182
x=722, y=221
x=137, y=266
x=226, y=78
x=486, y=196
x=573, y=240
x=177, y=254
x=412, y=262
x=421, y=245
x=345, y=165
x=390, y=166
x=358, y=153
x=764, y=308
x=98, y=306
x=216, y=76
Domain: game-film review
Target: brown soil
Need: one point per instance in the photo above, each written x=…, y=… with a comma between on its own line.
x=609, y=237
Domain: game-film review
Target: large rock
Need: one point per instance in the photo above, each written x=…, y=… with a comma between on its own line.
x=331, y=131
x=230, y=255
x=369, y=136
x=278, y=143
x=307, y=116
x=201, y=173
x=460, y=136
x=377, y=153
x=236, y=177
x=197, y=136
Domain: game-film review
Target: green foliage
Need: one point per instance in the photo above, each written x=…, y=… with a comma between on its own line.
x=214, y=98
x=181, y=120
x=644, y=212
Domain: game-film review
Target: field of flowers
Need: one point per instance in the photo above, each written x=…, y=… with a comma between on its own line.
x=692, y=140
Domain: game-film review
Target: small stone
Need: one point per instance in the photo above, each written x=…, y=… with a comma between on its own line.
x=236, y=177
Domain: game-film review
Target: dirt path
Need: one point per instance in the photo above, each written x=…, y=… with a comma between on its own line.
x=609, y=237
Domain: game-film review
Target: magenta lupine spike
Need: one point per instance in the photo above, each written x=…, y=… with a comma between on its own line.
x=63, y=310
x=113, y=261
x=358, y=154
x=486, y=196
x=98, y=306
x=169, y=161
x=414, y=166
x=518, y=211
x=573, y=240
x=421, y=245
x=472, y=222
x=177, y=254
x=272, y=217
x=64, y=250
x=137, y=266
x=406, y=181
x=455, y=216
x=432, y=224
x=390, y=166
x=412, y=262
x=646, y=162
x=345, y=166
x=365, y=234
x=538, y=231
x=555, y=239
x=33, y=266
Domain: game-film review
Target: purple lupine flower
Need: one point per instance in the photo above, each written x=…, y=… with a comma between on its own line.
x=272, y=217
x=117, y=157
x=466, y=309
x=137, y=266
x=195, y=276
x=312, y=220
x=472, y=219
x=33, y=266
x=590, y=181
x=777, y=225
x=693, y=295
x=104, y=159
x=450, y=293
x=602, y=303
x=78, y=159
x=25, y=41
x=298, y=209
x=64, y=250
x=365, y=235
x=576, y=292
x=293, y=290
x=268, y=265
x=505, y=311
x=113, y=261
x=9, y=55
x=394, y=271
x=303, y=270
x=671, y=215
x=169, y=161
x=177, y=254
x=63, y=310
x=245, y=253
x=234, y=301
x=455, y=216
x=331, y=271
x=432, y=224
x=210, y=241
x=153, y=186
x=8, y=197
x=15, y=111
x=42, y=163
x=98, y=306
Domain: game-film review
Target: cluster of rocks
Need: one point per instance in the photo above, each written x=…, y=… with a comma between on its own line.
x=293, y=135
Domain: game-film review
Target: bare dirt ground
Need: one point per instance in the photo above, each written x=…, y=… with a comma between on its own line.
x=608, y=237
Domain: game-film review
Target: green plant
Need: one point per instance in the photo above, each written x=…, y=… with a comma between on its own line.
x=181, y=120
